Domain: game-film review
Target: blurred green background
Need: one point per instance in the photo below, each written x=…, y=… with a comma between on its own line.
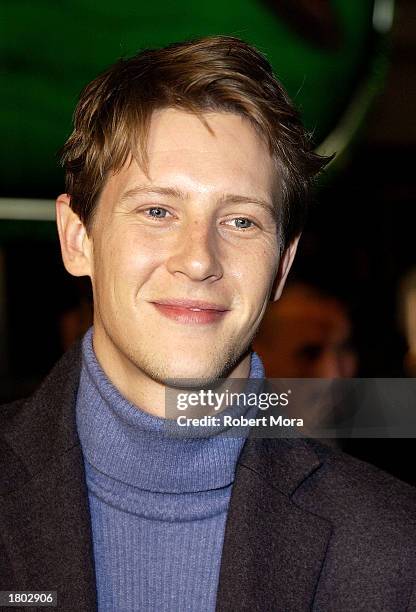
x=321, y=50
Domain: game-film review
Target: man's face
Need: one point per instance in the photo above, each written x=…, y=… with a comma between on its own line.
x=306, y=335
x=182, y=261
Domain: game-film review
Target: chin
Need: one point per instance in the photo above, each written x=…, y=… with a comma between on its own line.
x=195, y=376
x=189, y=374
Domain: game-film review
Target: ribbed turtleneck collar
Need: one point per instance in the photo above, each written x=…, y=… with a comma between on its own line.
x=127, y=444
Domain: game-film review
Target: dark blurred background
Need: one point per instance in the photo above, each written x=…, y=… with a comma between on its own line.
x=360, y=238
x=349, y=66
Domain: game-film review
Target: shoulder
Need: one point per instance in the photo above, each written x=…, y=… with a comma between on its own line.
x=347, y=474
x=349, y=493
x=372, y=521
x=359, y=497
x=34, y=429
x=9, y=412
x=64, y=373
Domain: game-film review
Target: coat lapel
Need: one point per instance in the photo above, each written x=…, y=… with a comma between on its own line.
x=273, y=549
x=44, y=516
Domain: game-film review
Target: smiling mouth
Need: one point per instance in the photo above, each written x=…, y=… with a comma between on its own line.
x=191, y=311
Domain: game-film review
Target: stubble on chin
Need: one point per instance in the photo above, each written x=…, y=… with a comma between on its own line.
x=169, y=373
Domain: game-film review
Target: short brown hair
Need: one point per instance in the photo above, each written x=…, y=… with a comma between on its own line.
x=218, y=73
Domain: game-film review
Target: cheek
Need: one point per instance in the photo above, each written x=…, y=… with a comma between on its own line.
x=255, y=275
x=123, y=263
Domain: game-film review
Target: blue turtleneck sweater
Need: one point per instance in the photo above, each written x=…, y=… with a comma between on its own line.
x=158, y=503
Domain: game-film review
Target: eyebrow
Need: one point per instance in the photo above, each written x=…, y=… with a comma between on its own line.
x=182, y=195
x=145, y=190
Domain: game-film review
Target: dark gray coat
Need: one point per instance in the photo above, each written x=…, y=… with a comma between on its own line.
x=308, y=528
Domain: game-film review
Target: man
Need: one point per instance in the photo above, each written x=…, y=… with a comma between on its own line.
x=306, y=334
x=187, y=180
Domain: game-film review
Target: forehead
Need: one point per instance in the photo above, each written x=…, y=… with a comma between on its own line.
x=203, y=160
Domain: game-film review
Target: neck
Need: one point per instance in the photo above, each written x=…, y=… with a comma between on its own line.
x=134, y=384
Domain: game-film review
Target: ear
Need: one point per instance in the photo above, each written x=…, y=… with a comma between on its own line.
x=76, y=247
x=284, y=266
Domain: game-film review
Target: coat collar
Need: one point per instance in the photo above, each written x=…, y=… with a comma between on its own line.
x=273, y=548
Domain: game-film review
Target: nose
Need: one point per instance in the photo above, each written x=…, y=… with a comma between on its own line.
x=196, y=252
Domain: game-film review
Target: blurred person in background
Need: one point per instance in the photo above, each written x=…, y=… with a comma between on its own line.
x=307, y=334
x=407, y=319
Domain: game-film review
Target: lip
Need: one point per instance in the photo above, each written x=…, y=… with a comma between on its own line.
x=191, y=311
x=191, y=304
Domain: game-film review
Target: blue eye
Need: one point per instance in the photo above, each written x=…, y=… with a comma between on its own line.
x=159, y=213
x=243, y=223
